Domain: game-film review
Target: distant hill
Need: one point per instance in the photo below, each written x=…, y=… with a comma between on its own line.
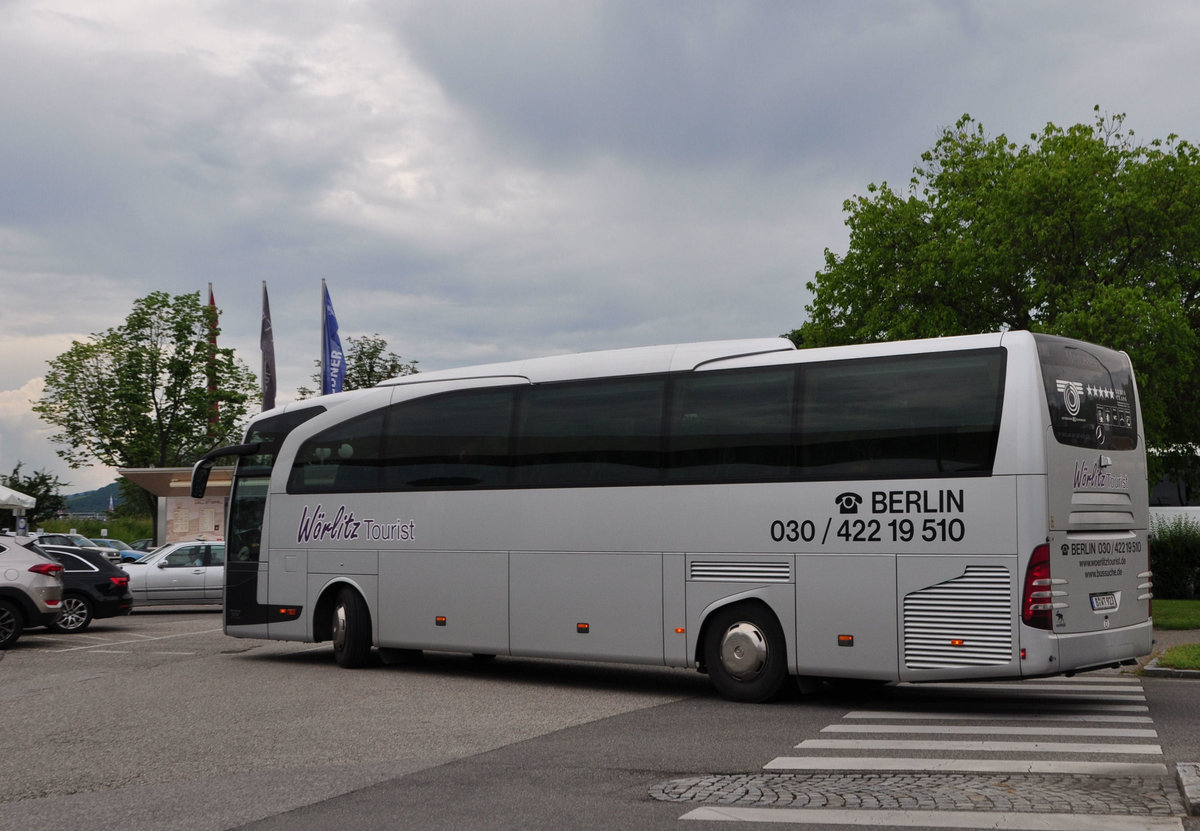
x=94, y=502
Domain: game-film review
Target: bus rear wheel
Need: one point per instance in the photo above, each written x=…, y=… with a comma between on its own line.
x=745, y=653
x=351, y=630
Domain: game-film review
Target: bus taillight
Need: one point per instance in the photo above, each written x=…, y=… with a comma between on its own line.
x=1036, y=608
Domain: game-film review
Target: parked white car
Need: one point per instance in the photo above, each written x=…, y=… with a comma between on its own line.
x=182, y=573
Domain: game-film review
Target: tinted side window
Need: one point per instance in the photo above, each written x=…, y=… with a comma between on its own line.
x=732, y=426
x=71, y=562
x=591, y=433
x=458, y=440
x=344, y=458
x=902, y=416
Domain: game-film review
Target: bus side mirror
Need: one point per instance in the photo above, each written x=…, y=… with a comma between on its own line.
x=200, y=479
x=202, y=468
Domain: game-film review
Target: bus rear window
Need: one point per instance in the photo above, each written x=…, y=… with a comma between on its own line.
x=1090, y=393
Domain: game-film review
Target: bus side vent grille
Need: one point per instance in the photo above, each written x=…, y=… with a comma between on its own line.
x=740, y=572
x=964, y=622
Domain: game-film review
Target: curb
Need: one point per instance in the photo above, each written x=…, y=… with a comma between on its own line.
x=1188, y=776
x=1153, y=670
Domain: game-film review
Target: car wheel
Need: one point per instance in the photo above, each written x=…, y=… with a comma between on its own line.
x=75, y=614
x=745, y=653
x=12, y=624
x=351, y=630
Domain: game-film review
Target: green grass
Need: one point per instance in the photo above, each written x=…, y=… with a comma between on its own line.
x=119, y=528
x=1185, y=656
x=1176, y=614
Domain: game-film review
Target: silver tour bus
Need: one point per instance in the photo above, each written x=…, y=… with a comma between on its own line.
x=954, y=508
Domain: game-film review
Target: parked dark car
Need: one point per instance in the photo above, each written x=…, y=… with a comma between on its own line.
x=93, y=587
x=71, y=541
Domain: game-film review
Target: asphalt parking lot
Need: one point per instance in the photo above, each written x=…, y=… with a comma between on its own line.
x=160, y=721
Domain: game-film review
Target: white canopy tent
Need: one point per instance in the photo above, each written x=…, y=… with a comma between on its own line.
x=18, y=503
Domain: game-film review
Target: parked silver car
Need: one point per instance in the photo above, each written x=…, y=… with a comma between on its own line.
x=31, y=588
x=182, y=573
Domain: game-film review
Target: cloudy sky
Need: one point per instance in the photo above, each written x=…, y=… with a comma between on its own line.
x=483, y=181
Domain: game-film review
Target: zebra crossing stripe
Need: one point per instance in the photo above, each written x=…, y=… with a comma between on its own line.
x=1025, y=689
x=1090, y=717
x=980, y=746
x=1009, y=821
x=940, y=765
x=981, y=730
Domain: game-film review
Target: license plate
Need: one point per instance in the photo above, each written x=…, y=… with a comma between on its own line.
x=1106, y=602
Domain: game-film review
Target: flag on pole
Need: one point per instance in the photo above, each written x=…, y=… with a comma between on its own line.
x=212, y=317
x=333, y=364
x=266, y=342
x=211, y=369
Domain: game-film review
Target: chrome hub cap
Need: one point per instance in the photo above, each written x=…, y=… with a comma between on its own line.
x=743, y=651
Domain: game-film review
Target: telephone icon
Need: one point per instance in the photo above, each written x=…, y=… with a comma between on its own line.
x=848, y=502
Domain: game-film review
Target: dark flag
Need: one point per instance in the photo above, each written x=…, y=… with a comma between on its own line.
x=214, y=412
x=333, y=363
x=266, y=342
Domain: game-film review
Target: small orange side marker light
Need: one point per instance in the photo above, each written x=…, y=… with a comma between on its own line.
x=583, y=628
x=440, y=620
x=957, y=642
x=845, y=640
x=679, y=630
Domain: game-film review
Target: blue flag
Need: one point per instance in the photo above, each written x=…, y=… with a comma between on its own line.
x=333, y=363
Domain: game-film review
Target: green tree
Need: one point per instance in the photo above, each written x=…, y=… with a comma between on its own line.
x=368, y=362
x=156, y=391
x=42, y=486
x=1081, y=232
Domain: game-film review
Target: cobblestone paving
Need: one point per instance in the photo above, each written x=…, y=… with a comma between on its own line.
x=1043, y=793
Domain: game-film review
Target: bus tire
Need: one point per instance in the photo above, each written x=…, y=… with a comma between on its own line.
x=745, y=652
x=351, y=627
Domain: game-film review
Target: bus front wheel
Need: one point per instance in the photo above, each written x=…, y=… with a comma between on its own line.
x=351, y=630
x=745, y=653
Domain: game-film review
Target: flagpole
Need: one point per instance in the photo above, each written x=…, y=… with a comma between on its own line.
x=324, y=359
